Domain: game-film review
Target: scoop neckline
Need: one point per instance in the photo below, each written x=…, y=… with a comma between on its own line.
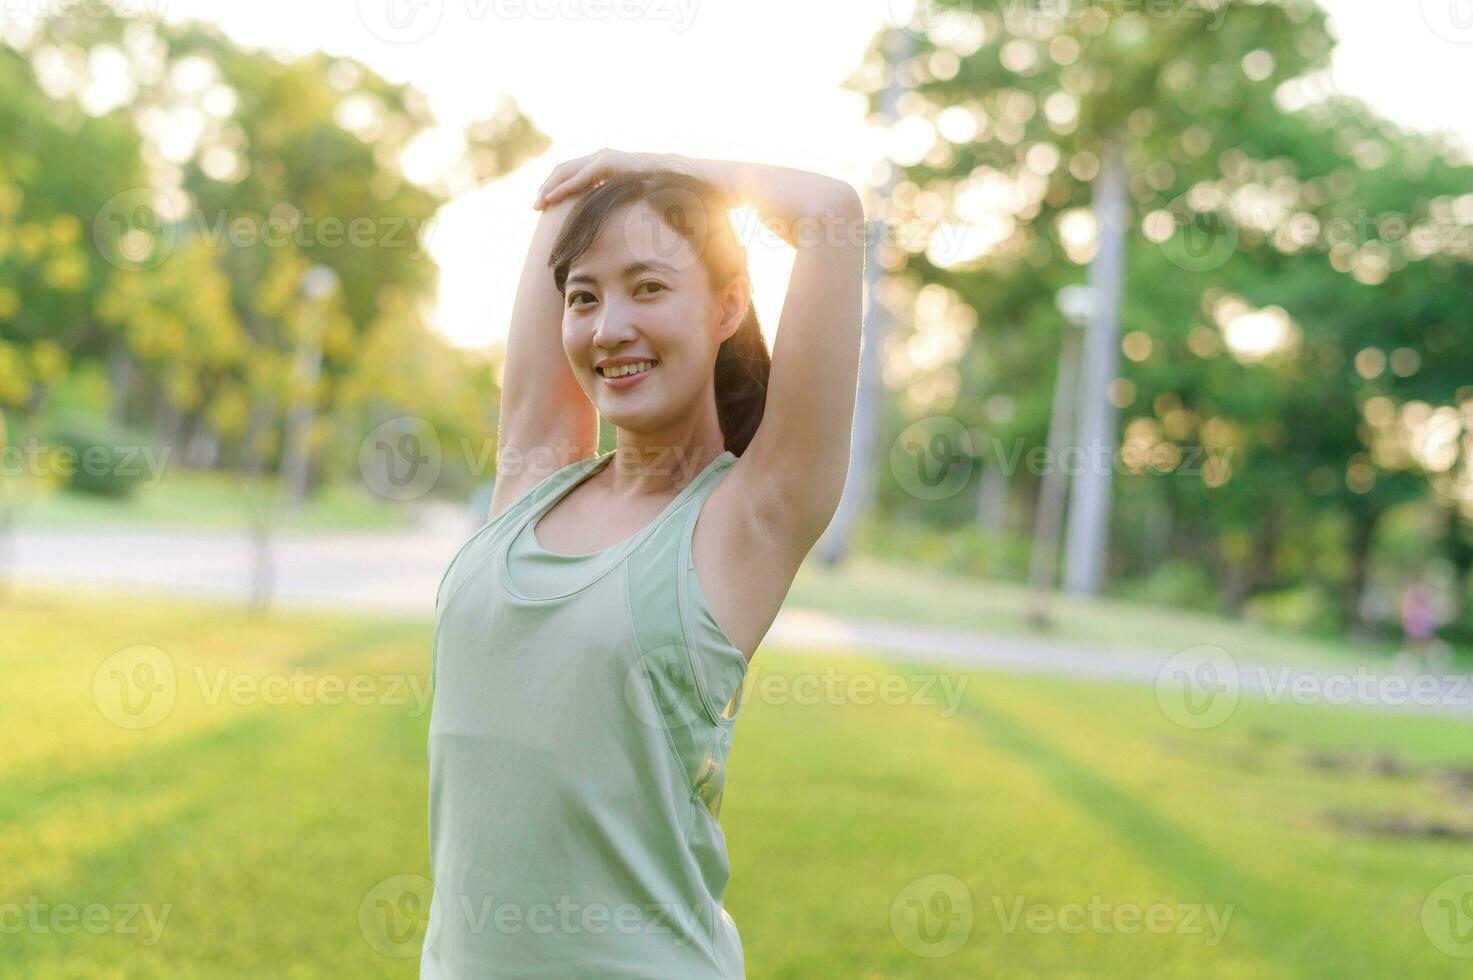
x=611, y=554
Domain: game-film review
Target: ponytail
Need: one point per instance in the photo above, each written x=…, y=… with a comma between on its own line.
x=742, y=367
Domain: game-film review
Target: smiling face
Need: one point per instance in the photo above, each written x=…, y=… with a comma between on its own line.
x=641, y=324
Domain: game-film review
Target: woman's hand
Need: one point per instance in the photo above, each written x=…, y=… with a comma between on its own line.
x=576, y=176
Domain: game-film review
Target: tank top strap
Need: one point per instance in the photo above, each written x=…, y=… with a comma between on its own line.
x=552, y=483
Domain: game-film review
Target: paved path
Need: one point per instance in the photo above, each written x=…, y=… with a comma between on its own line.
x=399, y=572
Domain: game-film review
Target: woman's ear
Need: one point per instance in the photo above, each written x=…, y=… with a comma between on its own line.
x=735, y=300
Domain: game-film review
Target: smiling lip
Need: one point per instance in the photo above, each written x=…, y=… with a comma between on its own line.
x=627, y=380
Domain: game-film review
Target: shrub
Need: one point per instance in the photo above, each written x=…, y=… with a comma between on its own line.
x=102, y=459
x=1307, y=608
x=1180, y=584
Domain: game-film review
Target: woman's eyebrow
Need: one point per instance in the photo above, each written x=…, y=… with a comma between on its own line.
x=632, y=269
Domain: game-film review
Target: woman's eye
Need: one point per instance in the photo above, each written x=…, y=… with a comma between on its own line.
x=573, y=298
x=657, y=285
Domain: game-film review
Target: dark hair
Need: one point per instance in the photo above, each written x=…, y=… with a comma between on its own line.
x=696, y=210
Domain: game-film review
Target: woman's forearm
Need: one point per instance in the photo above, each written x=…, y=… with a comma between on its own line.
x=539, y=390
x=800, y=206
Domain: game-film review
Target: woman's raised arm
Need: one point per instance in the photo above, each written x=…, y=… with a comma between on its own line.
x=793, y=472
x=546, y=420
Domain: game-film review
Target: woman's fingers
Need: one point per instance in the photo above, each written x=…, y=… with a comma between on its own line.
x=559, y=174
x=574, y=176
x=578, y=181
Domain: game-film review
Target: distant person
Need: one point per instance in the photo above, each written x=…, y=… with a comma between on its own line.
x=590, y=641
x=1419, y=627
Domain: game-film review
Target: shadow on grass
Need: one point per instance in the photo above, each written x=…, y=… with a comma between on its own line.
x=1273, y=919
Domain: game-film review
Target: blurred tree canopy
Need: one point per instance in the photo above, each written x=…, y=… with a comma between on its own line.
x=228, y=235
x=1297, y=359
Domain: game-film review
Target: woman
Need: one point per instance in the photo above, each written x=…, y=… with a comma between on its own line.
x=592, y=638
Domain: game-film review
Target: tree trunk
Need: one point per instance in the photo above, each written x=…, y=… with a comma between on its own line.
x=1458, y=546
x=1048, y=520
x=1362, y=536
x=992, y=498
x=120, y=373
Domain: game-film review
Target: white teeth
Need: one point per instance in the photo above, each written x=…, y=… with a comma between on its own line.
x=623, y=369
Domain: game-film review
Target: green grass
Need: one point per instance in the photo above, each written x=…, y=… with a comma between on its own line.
x=262, y=827
x=204, y=499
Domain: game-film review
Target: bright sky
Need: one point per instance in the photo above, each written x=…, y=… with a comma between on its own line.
x=736, y=79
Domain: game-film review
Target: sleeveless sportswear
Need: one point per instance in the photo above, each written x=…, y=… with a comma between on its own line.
x=581, y=721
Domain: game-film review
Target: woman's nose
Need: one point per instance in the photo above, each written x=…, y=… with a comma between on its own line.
x=614, y=327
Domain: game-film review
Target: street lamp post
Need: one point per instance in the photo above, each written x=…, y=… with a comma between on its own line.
x=1077, y=303
x=318, y=282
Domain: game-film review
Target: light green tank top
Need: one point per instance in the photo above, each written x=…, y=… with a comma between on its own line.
x=582, y=717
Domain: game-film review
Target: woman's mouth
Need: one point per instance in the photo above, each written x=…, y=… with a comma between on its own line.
x=625, y=375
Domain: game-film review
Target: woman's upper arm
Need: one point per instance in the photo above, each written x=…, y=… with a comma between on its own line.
x=546, y=419
x=793, y=472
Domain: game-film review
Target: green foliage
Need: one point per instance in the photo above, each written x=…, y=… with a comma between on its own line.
x=188, y=281
x=95, y=456
x=1176, y=583
x=1308, y=608
x=1222, y=182
x=968, y=550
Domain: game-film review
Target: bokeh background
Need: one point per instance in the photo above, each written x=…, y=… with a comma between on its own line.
x=1139, y=645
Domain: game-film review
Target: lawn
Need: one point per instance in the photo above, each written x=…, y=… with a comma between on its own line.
x=206, y=499
x=1033, y=827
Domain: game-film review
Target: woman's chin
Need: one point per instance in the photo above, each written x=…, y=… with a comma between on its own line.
x=634, y=420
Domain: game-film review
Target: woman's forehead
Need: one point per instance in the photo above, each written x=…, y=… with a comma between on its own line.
x=634, y=234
